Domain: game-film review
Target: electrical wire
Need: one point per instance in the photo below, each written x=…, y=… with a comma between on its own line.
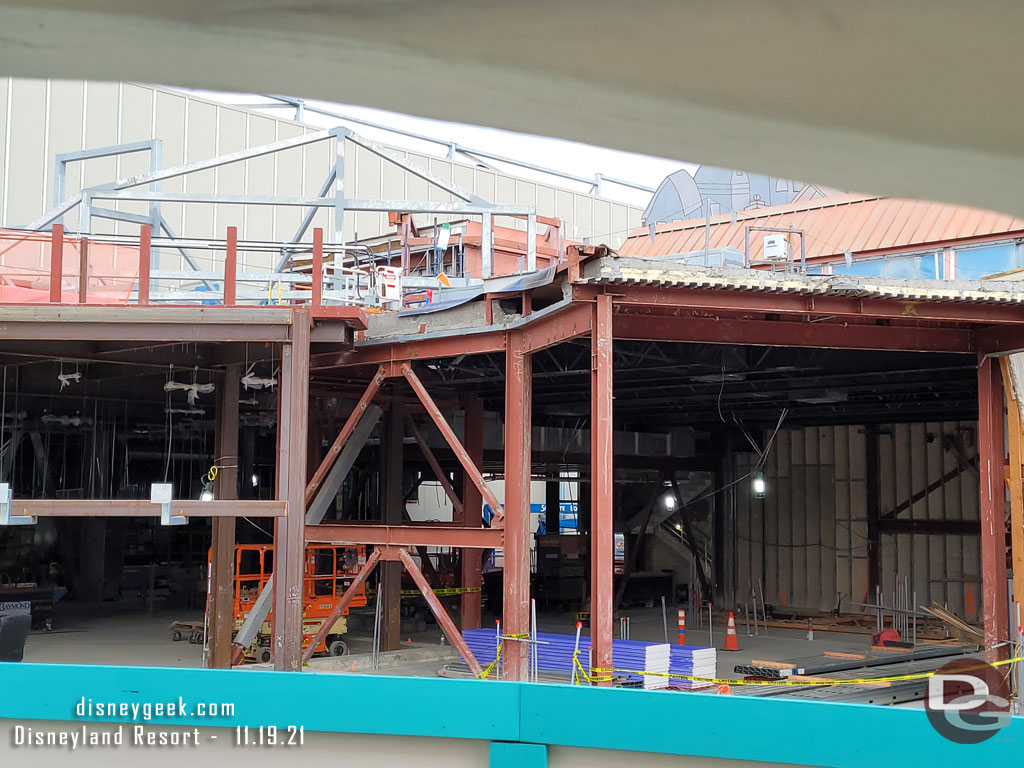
x=721, y=389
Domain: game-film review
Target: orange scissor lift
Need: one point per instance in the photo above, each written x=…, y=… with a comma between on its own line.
x=328, y=570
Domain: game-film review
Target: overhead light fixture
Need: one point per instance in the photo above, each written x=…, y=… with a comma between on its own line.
x=759, y=485
x=255, y=480
x=717, y=378
x=818, y=397
x=670, y=501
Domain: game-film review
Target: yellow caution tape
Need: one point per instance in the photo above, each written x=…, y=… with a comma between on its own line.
x=492, y=665
x=442, y=591
x=605, y=675
x=590, y=678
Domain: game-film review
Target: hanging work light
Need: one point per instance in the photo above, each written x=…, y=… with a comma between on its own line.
x=759, y=485
x=208, y=478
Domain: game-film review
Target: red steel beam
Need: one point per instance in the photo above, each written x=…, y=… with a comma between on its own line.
x=565, y=324
x=346, y=432
x=601, y=488
x=470, y=563
x=784, y=333
x=342, y=604
x=999, y=339
x=451, y=438
x=318, y=267
x=145, y=236
x=289, y=550
x=993, y=509
x=516, y=576
x=355, y=317
x=443, y=619
x=426, y=349
x=435, y=467
x=145, y=508
x=231, y=267
x=414, y=535
x=56, y=262
x=783, y=303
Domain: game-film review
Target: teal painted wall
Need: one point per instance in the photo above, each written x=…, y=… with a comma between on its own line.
x=520, y=720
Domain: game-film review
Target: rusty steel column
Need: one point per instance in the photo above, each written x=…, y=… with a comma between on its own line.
x=56, y=262
x=472, y=514
x=145, y=262
x=231, y=267
x=222, y=548
x=392, y=448
x=518, y=421
x=991, y=458
x=602, y=524
x=289, y=545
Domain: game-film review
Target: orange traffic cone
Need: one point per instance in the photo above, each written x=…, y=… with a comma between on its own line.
x=732, y=642
x=682, y=626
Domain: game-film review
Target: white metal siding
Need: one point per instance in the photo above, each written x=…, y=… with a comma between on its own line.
x=47, y=117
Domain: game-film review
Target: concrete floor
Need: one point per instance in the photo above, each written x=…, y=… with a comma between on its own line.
x=88, y=634
x=102, y=634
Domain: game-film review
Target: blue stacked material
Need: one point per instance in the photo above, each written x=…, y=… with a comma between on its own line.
x=631, y=658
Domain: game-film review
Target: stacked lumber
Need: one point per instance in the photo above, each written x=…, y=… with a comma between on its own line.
x=636, y=662
x=965, y=630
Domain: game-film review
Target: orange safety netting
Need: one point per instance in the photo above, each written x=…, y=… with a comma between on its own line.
x=112, y=270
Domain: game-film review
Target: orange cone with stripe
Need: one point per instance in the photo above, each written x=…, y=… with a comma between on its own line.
x=682, y=626
x=732, y=642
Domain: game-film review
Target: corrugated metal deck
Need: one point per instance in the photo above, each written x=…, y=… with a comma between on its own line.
x=642, y=271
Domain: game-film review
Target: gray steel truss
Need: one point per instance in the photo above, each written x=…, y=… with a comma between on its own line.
x=331, y=194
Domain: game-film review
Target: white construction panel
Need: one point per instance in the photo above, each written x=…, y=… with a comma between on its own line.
x=136, y=124
x=27, y=161
x=64, y=135
x=485, y=185
x=5, y=87
x=260, y=179
x=201, y=144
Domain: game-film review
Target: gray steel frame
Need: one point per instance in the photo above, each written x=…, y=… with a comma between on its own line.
x=126, y=189
x=476, y=155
